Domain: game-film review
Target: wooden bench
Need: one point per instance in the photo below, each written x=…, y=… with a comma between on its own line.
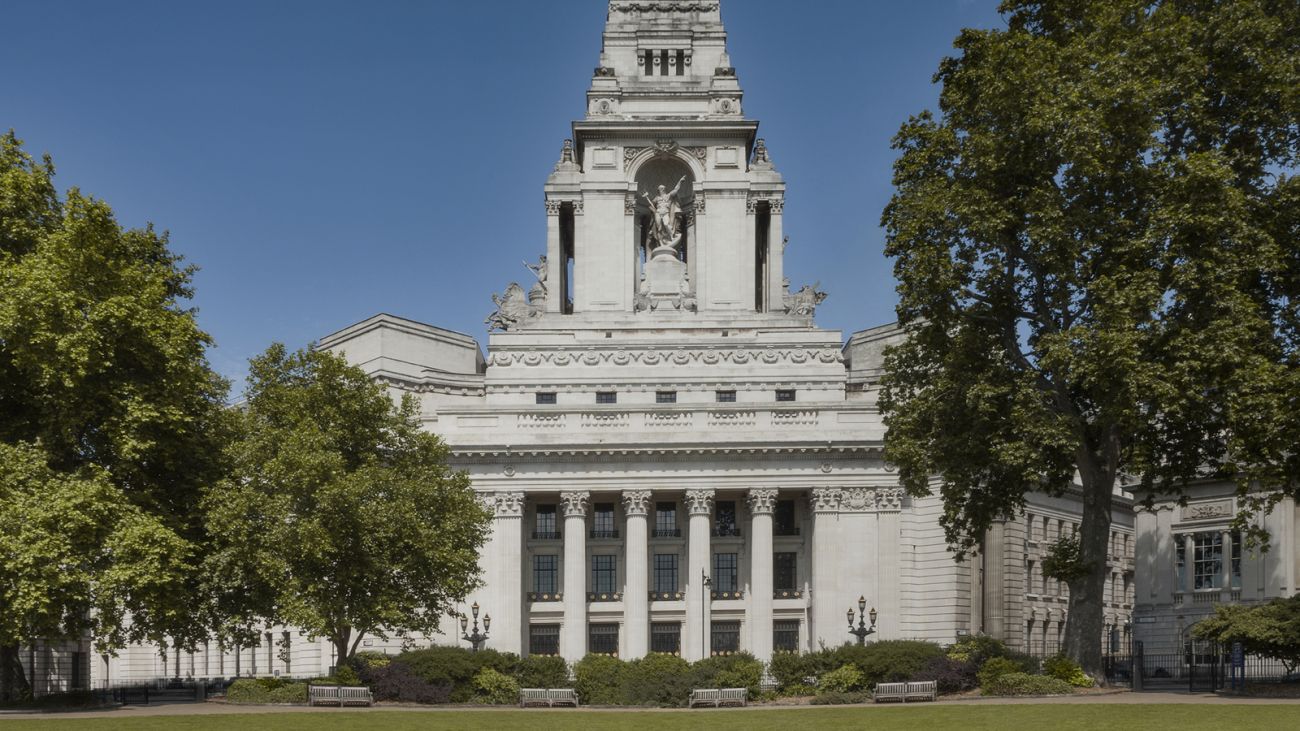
x=718, y=697
x=926, y=690
x=339, y=695
x=549, y=697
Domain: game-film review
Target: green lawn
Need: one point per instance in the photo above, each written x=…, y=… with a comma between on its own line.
x=929, y=718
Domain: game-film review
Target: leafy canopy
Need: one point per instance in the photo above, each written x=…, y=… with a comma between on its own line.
x=341, y=515
x=1269, y=630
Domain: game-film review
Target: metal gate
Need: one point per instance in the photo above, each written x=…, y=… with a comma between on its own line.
x=1204, y=666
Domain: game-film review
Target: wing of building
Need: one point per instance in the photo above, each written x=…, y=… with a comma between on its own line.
x=679, y=458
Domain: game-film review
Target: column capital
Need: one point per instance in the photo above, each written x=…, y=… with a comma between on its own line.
x=575, y=503
x=890, y=498
x=503, y=504
x=636, y=502
x=762, y=500
x=826, y=499
x=699, y=502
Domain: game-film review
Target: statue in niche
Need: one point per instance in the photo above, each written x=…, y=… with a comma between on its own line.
x=512, y=309
x=537, y=294
x=803, y=302
x=666, y=209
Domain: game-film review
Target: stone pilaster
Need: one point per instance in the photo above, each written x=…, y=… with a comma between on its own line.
x=695, y=642
x=636, y=593
x=827, y=613
x=573, y=639
x=761, y=504
x=503, y=590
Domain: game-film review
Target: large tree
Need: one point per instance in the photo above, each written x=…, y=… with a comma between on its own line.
x=110, y=421
x=341, y=516
x=1096, y=247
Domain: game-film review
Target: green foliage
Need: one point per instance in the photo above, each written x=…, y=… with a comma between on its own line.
x=888, y=661
x=256, y=691
x=1095, y=248
x=368, y=659
x=1063, y=668
x=108, y=411
x=542, y=671
x=599, y=680
x=994, y=668
x=342, y=516
x=792, y=670
x=740, y=670
x=495, y=688
x=1025, y=684
x=840, y=699
x=977, y=649
x=456, y=667
x=1064, y=561
x=798, y=689
x=657, y=679
x=345, y=675
x=1269, y=630
x=844, y=679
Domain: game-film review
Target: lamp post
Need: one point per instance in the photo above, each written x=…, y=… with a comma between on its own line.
x=475, y=638
x=862, y=630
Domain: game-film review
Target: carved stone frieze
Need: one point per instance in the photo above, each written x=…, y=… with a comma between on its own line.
x=858, y=500
x=666, y=147
x=575, y=503
x=762, y=500
x=826, y=499
x=636, y=502
x=1207, y=510
x=629, y=204
x=699, y=501
x=739, y=356
x=890, y=498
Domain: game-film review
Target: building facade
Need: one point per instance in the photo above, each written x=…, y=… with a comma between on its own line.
x=678, y=459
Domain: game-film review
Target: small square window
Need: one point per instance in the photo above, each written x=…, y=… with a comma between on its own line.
x=606, y=397
x=785, y=394
x=665, y=397
x=726, y=397
x=545, y=397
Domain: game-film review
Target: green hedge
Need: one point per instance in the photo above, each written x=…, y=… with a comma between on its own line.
x=1025, y=684
x=456, y=667
x=599, y=680
x=259, y=691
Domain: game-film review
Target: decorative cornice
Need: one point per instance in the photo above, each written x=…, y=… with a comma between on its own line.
x=811, y=448
x=575, y=503
x=762, y=500
x=654, y=357
x=699, y=502
x=636, y=502
x=503, y=504
x=666, y=6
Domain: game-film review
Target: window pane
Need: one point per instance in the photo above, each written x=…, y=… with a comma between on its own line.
x=724, y=518
x=666, y=637
x=785, y=394
x=665, y=520
x=665, y=397
x=604, y=574
x=726, y=397
x=724, y=573
x=544, y=574
x=544, y=639
x=546, y=398
x=603, y=639
x=726, y=637
x=546, y=526
x=666, y=573
x=783, y=520
x=785, y=635
x=603, y=521
x=784, y=576
x=606, y=397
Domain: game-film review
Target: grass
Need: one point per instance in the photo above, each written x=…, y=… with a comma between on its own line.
x=927, y=718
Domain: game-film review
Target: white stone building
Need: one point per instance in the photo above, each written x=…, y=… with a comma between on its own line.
x=678, y=458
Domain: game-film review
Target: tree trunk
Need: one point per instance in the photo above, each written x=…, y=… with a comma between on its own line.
x=13, y=681
x=341, y=637
x=1084, y=623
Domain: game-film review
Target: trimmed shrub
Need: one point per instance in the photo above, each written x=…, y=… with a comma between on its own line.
x=542, y=671
x=397, y=682
x=1025, y=684
x=246, y=690
x=495, y=688
x=347, y=676
x=599, y=680
x=839, y=699
x=844, y=679
x=949, y=675
x=1063, y=668
x=657, y=679
x=994, y=668
x=792, y=670
x=249, y=691
x=291, y=693
x=888, y=661
x=977, y=649
x=798, y=689
x=456, y=667
x=741, y=670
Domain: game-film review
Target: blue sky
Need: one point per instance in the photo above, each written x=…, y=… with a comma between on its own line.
x=324, y=161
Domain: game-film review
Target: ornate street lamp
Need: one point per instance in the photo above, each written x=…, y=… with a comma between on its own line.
x=862, y=630
x=475, y=639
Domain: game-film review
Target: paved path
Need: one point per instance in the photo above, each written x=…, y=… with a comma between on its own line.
x=217, y=708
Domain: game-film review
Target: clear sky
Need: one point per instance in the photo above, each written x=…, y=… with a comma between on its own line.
x=323, y=161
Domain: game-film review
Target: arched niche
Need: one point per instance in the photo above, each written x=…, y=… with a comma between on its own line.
x=664, y=169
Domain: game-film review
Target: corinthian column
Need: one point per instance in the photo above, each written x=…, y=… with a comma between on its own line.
x=699, y=504
x=636, y=602
x=574, y=638
x=761, y=504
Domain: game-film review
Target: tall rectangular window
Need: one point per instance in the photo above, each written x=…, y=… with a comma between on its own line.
x=546, y=527
x=784, y=575
x=725, y=579
x=666, y=520
x=724, y=518
x=785, y=635
x=543, y=639
x=783, y=520
x=666, y=637
x=544, y=574
x=603, y=639
x=726, y=637
x=666, y=573
x=604, y=574
x=603, y=521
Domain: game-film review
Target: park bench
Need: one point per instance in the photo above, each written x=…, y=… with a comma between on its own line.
x=338, y=695
x=718, y=697
x=548, y=697
x=926, y=690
